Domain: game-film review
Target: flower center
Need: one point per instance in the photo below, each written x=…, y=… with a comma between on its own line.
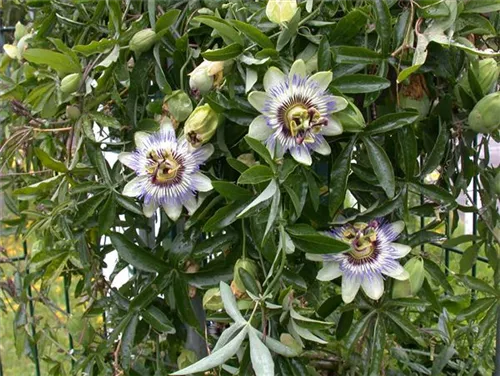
x=163, y=167
x=363, y=239
x=303, y=122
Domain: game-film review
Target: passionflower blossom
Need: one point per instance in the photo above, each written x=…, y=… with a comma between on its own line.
x=296, y=112
x=373, y=255
x=168, y=172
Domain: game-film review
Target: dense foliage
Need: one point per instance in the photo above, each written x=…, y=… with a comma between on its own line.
x=215, y=145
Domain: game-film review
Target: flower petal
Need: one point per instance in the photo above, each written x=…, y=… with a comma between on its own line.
x=258, y=100
x=396, y=272
x=350, y=287
x=191, y=204
x=201, y=183
x=374, y=286
x=298, y=68
x=259, y=129
x=321, y=146
x=301, y=154
x=340, y=103
x=323, y=79
x=203, y=153
x=128, y=159
x=330, y=270
x=167, y=128
x=314, y=257
x=273, y=77
x=173, y=210
x=333, y=128
x=134, y=187
x=396, y=228
x=399, y=250
x=141, y=139
x=149, y=209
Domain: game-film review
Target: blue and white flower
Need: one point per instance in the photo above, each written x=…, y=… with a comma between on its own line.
x=296, y=112
x=168, y=172
x=373, y=254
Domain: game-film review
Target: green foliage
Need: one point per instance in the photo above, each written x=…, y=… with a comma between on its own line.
x=79, y=79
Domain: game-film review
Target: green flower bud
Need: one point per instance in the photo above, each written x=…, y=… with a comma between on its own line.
x=20, y=31
x=411, y=286
x=142, y=41
x=212, y=299
x=485, y=117
x=10, y=50
x=247, y=264
x=73, y=112
x=70, y=83
x=205, y=75
x=279, y=11
x=179, y=105
x=186, y=358
x=414, y=96
x=486, y=72
x=201, y=125
x=350, y=118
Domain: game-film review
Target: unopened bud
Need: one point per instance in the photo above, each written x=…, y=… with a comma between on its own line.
x=212, y=300
x=73, y=112
x=179, y=105
x=279, y=11
x=205, y=75
x=70, y=83
x=248, y=265
x=413, y=95
x=186, y=358
x=485, y=117
x=142, y=41
x=201, y=125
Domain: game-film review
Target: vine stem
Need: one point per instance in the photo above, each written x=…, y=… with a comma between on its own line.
x=244, y=241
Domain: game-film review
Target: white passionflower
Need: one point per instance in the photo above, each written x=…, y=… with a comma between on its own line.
x=372, y=255
x=167, y=171
x=296, y=112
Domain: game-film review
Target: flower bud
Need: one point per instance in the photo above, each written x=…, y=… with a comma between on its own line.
x=212, y=300
x=73, y=112
x=20, y=31
x=414, y=96
x=179, y=105
x=350, y=118
x=201, y=125
x=247, y=264
x=10, y=50
x=70, y=83
x=205, y=75
x=411, y=286
x=279, y=11
x=485, y=117
x=142, y=41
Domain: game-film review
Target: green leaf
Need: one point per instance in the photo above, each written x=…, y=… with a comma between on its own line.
x=256, y=174
x=438, y=150
x=166, y=20
x=311, y=241
x=95, y=47
x=434, y=193
x=127, y=342
x=324, y=54
x=249, y=281
x=128, y=204
x=61, y=63
x=469, y=257
x=381, y=165
x=355, y=55
x=215, y=244
x=408, y=145
x=349, y=26
x=453, y=242
x=358, y=329
x=50, y=162
x=407, y=326
x=254, y=34
x=481, y=6
x=377, y=346
x=442, y=360
x=390, y=122
x=158, y=320
x=225, y=30
x=225, y=53
x=216, y=358
x=183, y=302
x=105, y=120
x=88, y=208
x=338, y=178
x=262, y=361
x=231, y=191
x=476, y=309
x=98, y=160
x=260, y=149
x=264, y=196
x=477, y=284
x=289, y=31
x=135, y=255
x=360, y=83
x=328, y=306
x=107, y=215
x=224, y=216
x=383, y=24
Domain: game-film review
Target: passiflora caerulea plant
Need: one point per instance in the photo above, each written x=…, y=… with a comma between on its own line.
x=251, y=187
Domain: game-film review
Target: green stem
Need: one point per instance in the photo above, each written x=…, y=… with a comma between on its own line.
x=244, y=241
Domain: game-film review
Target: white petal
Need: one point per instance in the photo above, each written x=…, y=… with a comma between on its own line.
x=322, y=147
x=301, y=154
x=257, y=99
x=149, y=209
x=204, y=152
x=314, y=257
x=201, y=182
x=350, y=287
x=397, y=228
x=167, y=128
x=298, y=68
x=333, y=128
x=400, y=250
x=141, y=139
x=133, y=187
x=273, y=77
x=127, y=159
x=259, y=129
x=373, y=287
x=323, y=79
x=398, y=272
x=173, y=210
x=191, y=205
x=340, y=103
x=330, y=270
